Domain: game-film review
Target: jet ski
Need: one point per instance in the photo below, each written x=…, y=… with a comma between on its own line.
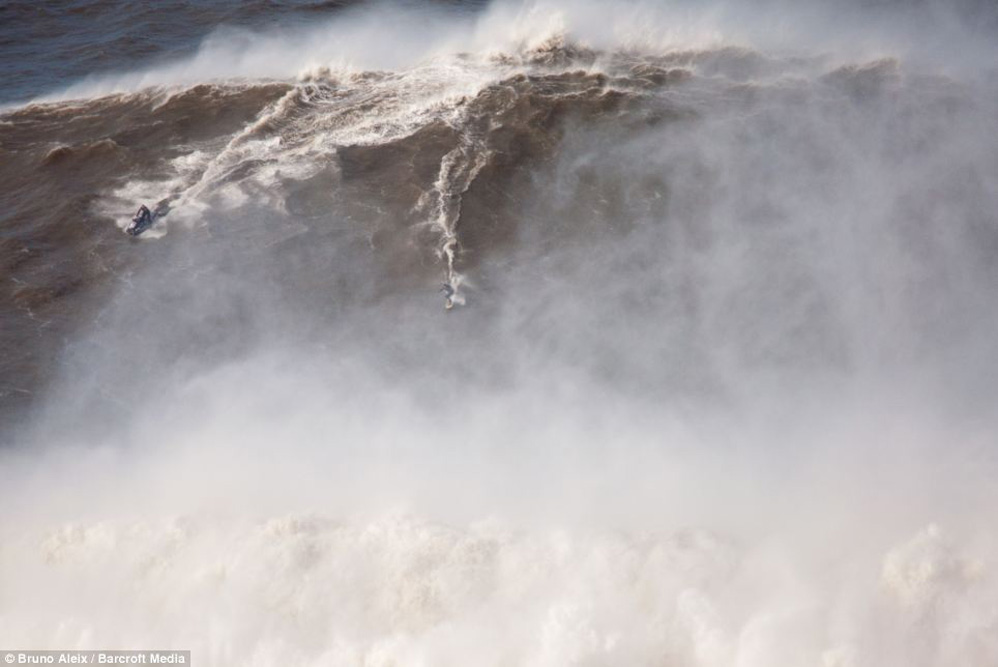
x=144, y=218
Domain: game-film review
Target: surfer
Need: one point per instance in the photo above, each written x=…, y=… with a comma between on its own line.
x=448, y=291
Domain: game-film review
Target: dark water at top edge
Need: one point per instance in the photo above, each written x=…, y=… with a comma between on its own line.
x=48, y=45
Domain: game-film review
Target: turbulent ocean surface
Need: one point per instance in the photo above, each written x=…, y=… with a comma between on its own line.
x=532, y=332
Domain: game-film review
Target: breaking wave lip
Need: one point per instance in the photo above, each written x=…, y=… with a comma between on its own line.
x=386, y=37
x=389, y=37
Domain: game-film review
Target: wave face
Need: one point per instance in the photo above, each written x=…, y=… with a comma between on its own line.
x=711, y=381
